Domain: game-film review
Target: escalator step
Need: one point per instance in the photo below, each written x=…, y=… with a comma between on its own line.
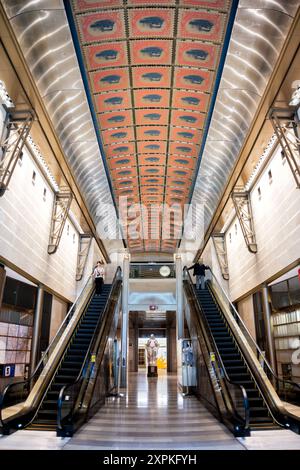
x=81, y=341
x=52, y=395
x=64, y=379
x=233, y=370
x=47, y=414
x=256, y=401
x=237, y=376
x=224, y=342
x=49, y=405
x=69, y=362
x=69, y=371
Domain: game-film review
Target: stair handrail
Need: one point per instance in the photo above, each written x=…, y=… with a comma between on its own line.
x=262, y=355
x=80, y=376
x=46, y=355
x=216, y=351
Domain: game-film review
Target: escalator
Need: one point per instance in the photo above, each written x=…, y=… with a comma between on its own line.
x=241, y=360
x=236, y=367
x=72, y=361
x=91, y=321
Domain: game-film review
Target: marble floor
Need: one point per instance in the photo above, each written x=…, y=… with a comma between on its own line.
x=152, y=415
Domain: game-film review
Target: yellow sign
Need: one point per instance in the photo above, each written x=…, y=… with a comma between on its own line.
x=212, y=357
x=93, y=358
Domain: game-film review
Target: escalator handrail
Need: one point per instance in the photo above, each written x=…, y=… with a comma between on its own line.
x=80, y=376
x=216, y=350
x=236, y=313
x=42, y=359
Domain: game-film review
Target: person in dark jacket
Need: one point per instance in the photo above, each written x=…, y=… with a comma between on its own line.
x=199, y=271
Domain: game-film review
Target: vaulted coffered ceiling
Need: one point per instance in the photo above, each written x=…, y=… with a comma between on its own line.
x=151, y=69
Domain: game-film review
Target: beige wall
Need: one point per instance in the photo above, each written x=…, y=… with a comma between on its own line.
x=58, y=313
x=209, y=258
x=25, y=219
x=277, y=226
x=246, y=311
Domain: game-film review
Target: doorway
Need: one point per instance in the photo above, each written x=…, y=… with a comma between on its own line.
x=161, y=354
x=163, y=326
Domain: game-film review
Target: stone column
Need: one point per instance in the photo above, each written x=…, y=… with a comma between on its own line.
x=2, y=281
x=179, y=297
x=38, y=316
x=125, y=320
x=268, y=326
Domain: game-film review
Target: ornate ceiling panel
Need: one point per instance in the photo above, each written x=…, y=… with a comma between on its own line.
x=151, y=68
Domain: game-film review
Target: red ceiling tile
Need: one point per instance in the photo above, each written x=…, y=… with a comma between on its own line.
x=111, y=136
x=116, y=119
x=190, y=100
x=107, y=80
x=181, y=172
x=148, y=159
x=200, y=24
x=183, y=149
x=151, y=147
x=151, y=77
x=151, y=22
x=185, y=135
x=193, y=79
x=181, y=162
x=119, y=184
x=196, y=54
x=120, y=150
x=101, y=26
x=113, y=100
x=151, y=170
x=152, y=98
x=120, y=162
x=151, y=180
x=154, y=52
x=124, y=172
x=176, y=182
x=152, y=116
x=112, y=54
x=152, y=132
x=187, y=119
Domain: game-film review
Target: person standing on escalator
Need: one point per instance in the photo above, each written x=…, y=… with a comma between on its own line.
x=199, y=271
x=99, y=274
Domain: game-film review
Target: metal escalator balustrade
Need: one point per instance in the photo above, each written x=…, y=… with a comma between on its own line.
x=71, y=363
x=35, y=400
x=246, y=363
x=14, y=397
x=233, y=361
x=224, y=397
x=287, y=390
x=79, y=399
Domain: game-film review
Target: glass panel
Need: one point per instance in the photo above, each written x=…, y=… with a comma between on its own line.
x=279, y=295
x=294, y=289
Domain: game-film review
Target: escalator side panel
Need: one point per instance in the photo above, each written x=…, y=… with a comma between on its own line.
x=72, y=361
x=234, y=362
